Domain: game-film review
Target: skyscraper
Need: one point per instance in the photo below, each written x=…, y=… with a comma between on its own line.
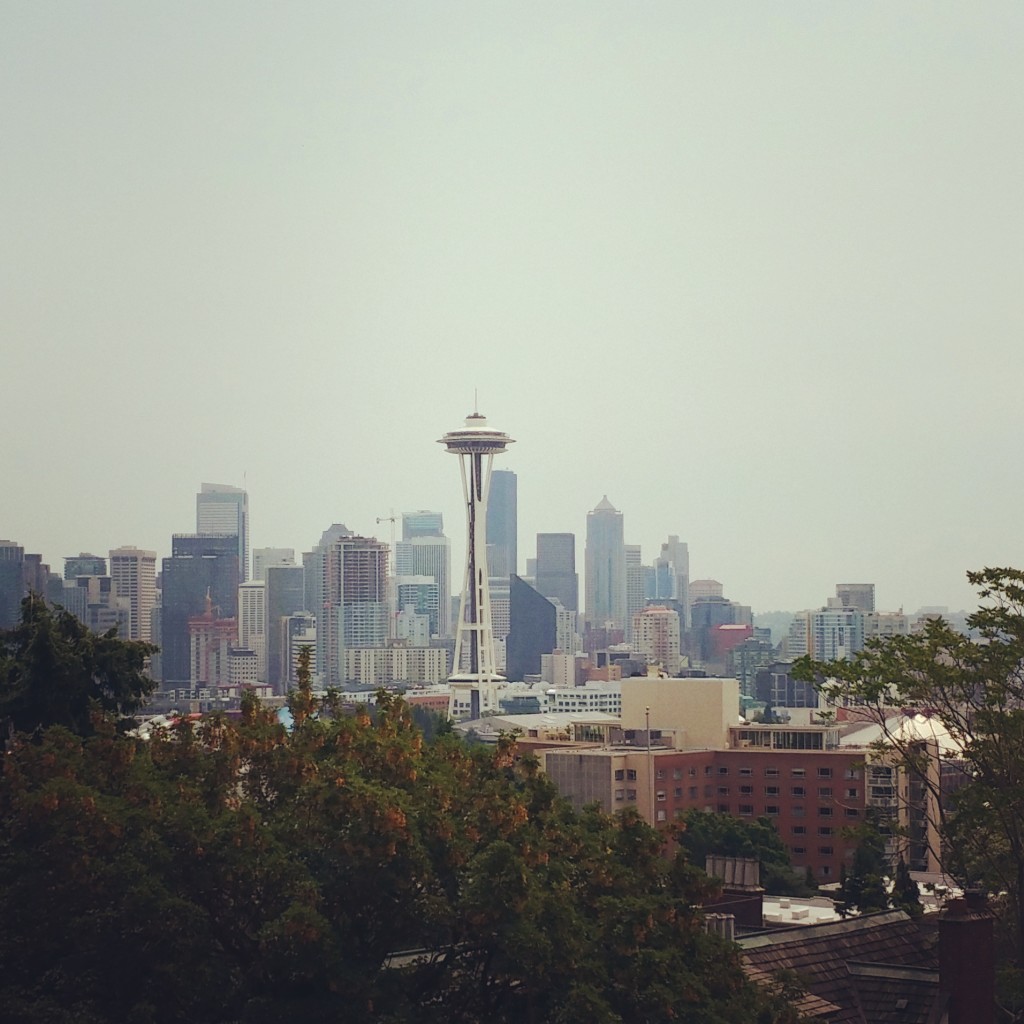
x=856, y=595
x=556, y=568
x=222, y=509
x=605, y=567
x=476, y=445
x=133, y=571
x=200, y=566
x=351, y=595
x=263, y=558
x=533, y=629
x=422, y=524
x=84, y=565
x=672, y=573
x=425, y=551
x=502, y=524
x=285, y=597
x=252, y=623
x=635, y=579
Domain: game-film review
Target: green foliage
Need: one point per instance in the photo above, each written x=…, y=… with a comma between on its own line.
x=974, y=685
x=906, y=894
x=55, y=671
x=864, y=884
x=232, y=871
x=705, y=832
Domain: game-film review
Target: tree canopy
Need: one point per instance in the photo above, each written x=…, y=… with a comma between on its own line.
x=230, y=870
x=974, y=684
x=55, y=671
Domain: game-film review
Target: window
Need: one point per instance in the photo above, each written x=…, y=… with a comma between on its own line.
x=771, y=773
x=723, y=790
x=746, y=771
x=798, y=773
x=798, y=851
x=824, y=812
x=797, y=791
x=851, y=794
x=852, y=773
x=746, y=810
x=661, y=794
x=677, y=773
x=824, y=791
x=852, y=812
x=677, y=793
x=661, y=815
x=620, y=794
x=723, y=808
x=826, y=871
x=708, y=770
x=772, y=810
x=693, y=792
x=824, y=830
x=708, y=790
x=692, y=772
x=824, y=773
x=723, y=770
x=619, y=774
x=631, y=775
x=630, y=794
x=797, y=810
x=825, y=851
x=771, y=790
x=746, y=790
x=660, y=773
x=799, y=830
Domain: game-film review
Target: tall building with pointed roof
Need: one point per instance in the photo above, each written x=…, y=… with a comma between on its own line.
x=605, y=560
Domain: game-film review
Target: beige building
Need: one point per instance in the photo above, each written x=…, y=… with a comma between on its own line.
x=656, y=637
x=133, y=571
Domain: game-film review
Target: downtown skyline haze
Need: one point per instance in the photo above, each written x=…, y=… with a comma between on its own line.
x=752, y=271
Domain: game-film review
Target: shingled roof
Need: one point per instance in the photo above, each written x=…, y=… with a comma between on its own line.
x=840, y=964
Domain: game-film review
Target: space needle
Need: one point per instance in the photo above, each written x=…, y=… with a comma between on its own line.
x=476, y=444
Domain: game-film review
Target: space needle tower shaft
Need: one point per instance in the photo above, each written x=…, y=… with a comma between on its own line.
x=476, y=445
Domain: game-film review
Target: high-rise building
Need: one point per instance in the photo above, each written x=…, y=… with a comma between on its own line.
x=263, y=558
x=656, y=637
x=605, y=558
x=856, y=595
x=421, y=595
x=223, y=510
x=84, y=565
x=422, y=524
x=672, y=573
x=285, y=597
x=556, y=575
x=133, y=571
x=502, y=524
x=252, y=623
x=533, y=630
x=426, y=551
x=636, y=574
x=476, y=445
x=352, y=596
x=836, y=633
x=22, y=574
x=200, y=566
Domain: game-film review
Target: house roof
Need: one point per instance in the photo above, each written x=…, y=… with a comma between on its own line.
x=839, y=965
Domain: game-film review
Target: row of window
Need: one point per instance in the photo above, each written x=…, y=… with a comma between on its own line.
x=771, y=773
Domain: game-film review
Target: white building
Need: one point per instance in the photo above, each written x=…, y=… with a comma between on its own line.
x=429, y=557
x=262, y=558
x=379, y=666
x=656, y=637
x=252, y=623
x=133, y=572
x=605, y=697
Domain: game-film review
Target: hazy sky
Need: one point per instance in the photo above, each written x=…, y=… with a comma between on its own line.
x=753, y=270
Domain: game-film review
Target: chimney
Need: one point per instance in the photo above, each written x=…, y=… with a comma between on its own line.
x=742, y=895
x=967, y=965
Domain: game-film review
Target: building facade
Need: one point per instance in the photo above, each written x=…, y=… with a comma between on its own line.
x=605, y=559
x=133, y=571
x=224, y=510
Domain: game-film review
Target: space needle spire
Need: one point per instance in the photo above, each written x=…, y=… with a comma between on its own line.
x=476, y=444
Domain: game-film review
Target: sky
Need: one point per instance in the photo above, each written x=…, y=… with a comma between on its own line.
x=753, y=271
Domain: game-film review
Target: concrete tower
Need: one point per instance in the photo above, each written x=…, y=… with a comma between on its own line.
x=476, y=445
x=605, y=567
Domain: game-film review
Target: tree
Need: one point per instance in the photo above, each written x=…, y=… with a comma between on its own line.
x=232, y=870
x=56, y=671
x=906, y=894
x=864, y=887
x=974, y=685
x=705, y=832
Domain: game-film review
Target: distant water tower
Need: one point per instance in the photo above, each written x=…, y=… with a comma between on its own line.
x=476, y=445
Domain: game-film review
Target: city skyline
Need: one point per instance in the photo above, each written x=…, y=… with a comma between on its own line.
x=796, y=228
